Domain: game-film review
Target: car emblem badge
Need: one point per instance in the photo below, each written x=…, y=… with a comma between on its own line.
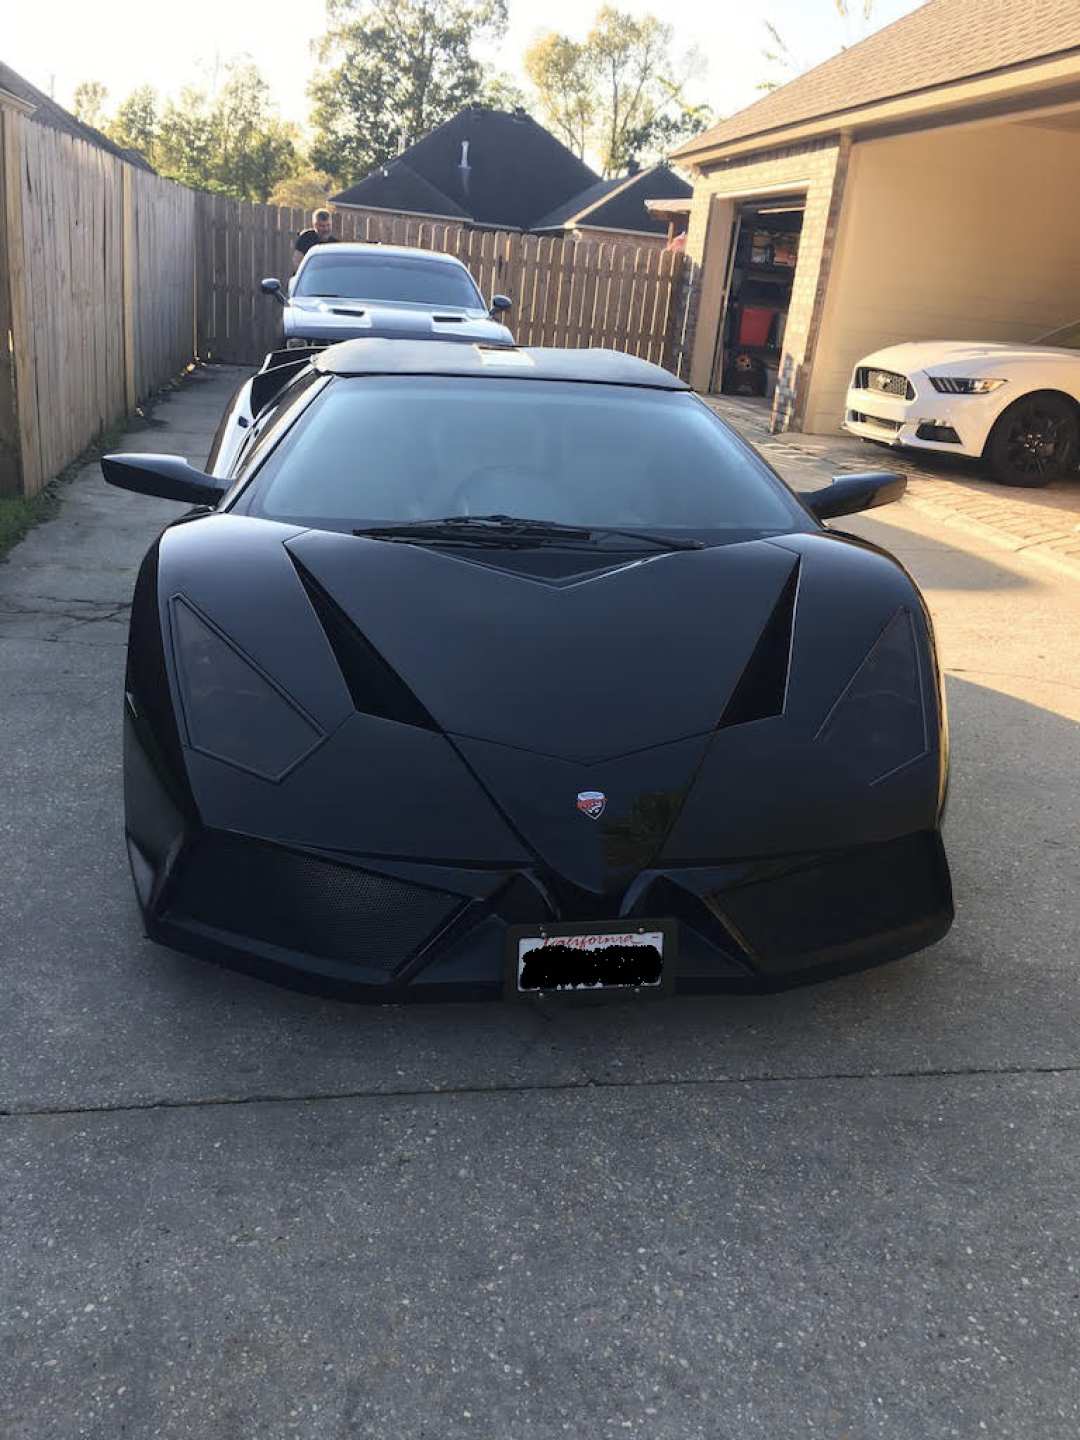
x=592, y=803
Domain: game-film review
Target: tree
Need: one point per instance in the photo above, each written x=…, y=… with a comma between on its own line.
x=89, y=103
x=307, y=190
x=392, y=71
x=135, y=124
x=786, y=65
x=618, y=91
x=565, y=81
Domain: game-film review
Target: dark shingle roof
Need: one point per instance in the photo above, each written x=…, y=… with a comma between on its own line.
x=47, y=112
x=397, y=186
x=619, y=204
x=517, y=172
x=941, y=42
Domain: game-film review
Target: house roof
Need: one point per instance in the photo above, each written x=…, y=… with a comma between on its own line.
x=397, y=186
x=942, y=42
x=47, y=112
x=517, y=170
x=619, y=204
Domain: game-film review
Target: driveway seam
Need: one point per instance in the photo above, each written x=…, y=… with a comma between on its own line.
x=451, y=1091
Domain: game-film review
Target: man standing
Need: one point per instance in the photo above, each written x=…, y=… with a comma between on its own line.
x=319, y=234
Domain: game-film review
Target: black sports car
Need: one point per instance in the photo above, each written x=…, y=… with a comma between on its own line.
x=488, y=672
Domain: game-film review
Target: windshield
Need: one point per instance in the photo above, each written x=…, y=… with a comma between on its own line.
x=1067, y=338
x=388, y=277
x=387, y=450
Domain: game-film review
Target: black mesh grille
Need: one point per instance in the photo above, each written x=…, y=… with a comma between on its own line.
x=762, y=687
x=376, y=688
x=306, y=904
x=892, y=426
x=884, y=382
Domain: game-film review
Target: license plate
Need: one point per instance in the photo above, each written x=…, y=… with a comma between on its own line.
x=566, y=959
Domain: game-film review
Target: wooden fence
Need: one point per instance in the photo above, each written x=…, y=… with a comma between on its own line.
x=565, y=292
x=96, y=292
x=112, y=280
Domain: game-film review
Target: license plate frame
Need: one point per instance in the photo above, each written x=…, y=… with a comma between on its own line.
x=583, y=931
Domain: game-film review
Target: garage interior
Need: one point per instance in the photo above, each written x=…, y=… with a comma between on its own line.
x=763, y=257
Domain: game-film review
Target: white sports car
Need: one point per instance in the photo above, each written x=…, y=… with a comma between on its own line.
x=1017, y=407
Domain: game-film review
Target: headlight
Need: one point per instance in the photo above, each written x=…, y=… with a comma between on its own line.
x=946, y=385
x=878, y=724
x=232, y=711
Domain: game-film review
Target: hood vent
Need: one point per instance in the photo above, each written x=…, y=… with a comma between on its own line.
x=762, y=688
x=376, y=688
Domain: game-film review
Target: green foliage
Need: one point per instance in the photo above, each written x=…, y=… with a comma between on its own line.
x=89, y=103
x=619, y=90
x=18, y=515
x=231, y=140
x=392, y=71
x=307, y=190
x=135, y=124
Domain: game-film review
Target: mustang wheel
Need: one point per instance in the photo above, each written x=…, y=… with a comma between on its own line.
x=1035, y=441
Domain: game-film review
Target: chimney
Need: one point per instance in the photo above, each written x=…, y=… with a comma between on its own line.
x=465, y=168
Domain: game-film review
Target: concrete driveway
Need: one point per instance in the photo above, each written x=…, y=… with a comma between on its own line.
x=230, y=1211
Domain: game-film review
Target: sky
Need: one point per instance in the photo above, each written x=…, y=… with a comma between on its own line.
x=58, y=43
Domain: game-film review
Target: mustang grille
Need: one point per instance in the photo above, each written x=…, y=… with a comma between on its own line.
x=307, y=904
x=884, y=382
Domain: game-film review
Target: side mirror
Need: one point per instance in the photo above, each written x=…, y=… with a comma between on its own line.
x=500, y=304
x=848, y=494
x=167, y=476
x=272, y=286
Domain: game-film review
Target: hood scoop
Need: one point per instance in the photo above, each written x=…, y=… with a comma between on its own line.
x=762, y=688
x=375, y=687
x=550, y=567
x=345, y=310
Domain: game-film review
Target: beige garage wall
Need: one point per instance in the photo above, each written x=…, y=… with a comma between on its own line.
x=967, y=234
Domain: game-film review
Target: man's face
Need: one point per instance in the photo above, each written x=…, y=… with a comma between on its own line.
x=322, y=228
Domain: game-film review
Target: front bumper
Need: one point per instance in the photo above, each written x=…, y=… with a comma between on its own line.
x=928, y=422
x=368, y=929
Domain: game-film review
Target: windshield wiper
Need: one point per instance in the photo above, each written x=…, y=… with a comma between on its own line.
x=497, y=529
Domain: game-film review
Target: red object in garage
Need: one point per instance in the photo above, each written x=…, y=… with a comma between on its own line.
x=755, y=323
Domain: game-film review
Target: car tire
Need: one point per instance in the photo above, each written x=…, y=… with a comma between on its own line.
x=1036, y=440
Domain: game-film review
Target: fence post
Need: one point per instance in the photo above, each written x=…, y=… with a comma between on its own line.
x=19, y=458
x=130, y=262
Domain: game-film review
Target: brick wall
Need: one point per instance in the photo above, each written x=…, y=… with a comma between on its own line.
x=818, y=171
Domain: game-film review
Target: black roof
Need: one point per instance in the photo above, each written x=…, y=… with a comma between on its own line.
x=436, y=357
x=619, y=204
x=397, y=186
x=517, y=171
x=47, y=112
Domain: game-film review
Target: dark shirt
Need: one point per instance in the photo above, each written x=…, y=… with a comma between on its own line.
x=307, y=238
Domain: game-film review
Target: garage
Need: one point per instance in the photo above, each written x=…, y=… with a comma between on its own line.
x=764, y=252
x=926, y=175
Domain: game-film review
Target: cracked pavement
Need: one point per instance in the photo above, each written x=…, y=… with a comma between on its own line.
x=228, y=1210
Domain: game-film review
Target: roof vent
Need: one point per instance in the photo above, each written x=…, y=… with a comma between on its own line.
x=464, y=167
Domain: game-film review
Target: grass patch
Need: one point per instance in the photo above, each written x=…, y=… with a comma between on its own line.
x=18, y=515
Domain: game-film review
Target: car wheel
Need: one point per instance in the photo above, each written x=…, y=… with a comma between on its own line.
x=1034, y=441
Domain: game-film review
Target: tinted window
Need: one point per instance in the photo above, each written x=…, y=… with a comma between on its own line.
x=410, y=448
x=388, y=277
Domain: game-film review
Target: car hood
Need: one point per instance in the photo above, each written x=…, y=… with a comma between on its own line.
x=334, y=319
x=966, y=357
x=691, y=685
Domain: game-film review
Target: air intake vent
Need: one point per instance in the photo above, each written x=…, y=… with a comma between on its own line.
x=376, y=688
x=305, y=903
x=762, y=687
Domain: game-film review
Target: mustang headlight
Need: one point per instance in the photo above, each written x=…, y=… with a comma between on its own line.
x=947, y=385
x=878, y=725
x=231, y=710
